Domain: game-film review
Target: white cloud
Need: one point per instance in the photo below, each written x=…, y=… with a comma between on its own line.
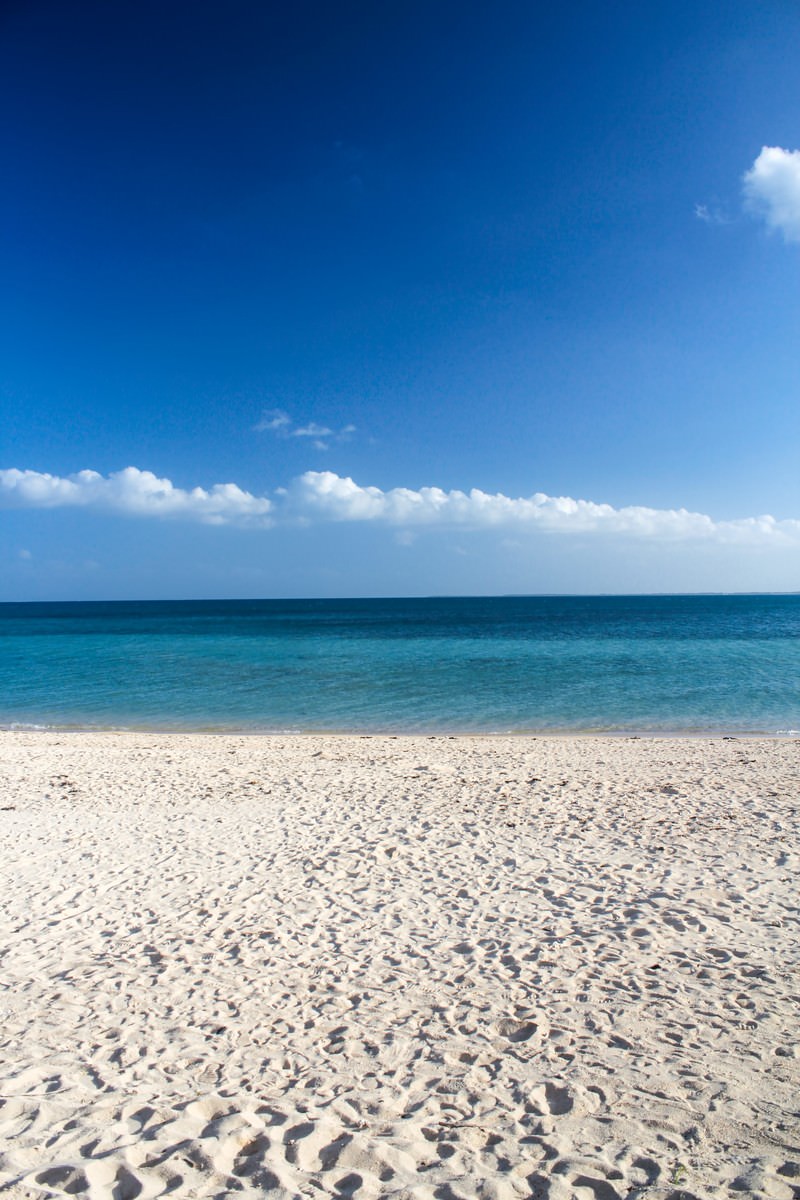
x=325, y=496
x=276, y=421
x=312, y=430
x=329, y=496
x=772, y=190
x=137, y=493
x=711, y=216
x=272, y=421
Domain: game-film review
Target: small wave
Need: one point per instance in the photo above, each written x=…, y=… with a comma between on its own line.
x=24, y=726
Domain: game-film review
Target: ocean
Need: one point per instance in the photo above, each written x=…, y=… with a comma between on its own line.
x=612, y=664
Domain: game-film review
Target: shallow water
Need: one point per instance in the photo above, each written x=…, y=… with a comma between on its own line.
x=619, y=664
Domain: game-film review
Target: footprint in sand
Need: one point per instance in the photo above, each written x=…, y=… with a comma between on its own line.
x=516, y=1031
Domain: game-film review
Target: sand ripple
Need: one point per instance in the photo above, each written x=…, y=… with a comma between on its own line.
x=374, y=967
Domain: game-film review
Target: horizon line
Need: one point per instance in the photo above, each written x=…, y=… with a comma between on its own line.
x=410, y=596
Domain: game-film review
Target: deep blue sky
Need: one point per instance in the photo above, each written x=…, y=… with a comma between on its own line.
x=470, y=231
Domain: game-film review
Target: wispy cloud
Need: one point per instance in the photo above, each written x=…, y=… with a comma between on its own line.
x=772, y=190
x=320, y=496
x=711, y=215
x=136, y=493
x=276, y=421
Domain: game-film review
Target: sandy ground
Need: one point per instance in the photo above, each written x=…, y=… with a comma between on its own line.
x=372, y=967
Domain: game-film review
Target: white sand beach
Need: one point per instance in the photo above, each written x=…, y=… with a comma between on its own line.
x=399, y=967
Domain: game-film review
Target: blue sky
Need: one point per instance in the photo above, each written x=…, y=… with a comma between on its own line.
x=459, y=298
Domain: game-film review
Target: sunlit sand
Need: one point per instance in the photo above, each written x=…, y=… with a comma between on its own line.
x=428, y=967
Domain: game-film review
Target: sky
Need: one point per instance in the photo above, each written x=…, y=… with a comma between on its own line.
x=408, y=298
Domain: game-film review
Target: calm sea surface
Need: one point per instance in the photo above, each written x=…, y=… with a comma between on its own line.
x=637, y=663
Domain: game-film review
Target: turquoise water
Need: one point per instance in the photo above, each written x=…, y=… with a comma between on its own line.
x=635, y=664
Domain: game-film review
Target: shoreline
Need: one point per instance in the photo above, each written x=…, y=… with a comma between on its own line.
x=725, y=734
x=486, y=967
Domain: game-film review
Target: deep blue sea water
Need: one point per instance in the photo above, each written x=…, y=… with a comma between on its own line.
x=630, y=663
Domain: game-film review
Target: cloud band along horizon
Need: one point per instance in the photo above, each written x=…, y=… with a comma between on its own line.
x=327, y=497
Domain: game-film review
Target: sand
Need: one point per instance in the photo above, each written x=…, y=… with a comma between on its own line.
x=372, y=967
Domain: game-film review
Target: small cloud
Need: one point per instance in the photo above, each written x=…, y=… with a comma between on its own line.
x=405, y=537
x=711, y=216
x=272, y=421
x=311, y=430
x=277, y=421
x=26, y=554
x=772, y=190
